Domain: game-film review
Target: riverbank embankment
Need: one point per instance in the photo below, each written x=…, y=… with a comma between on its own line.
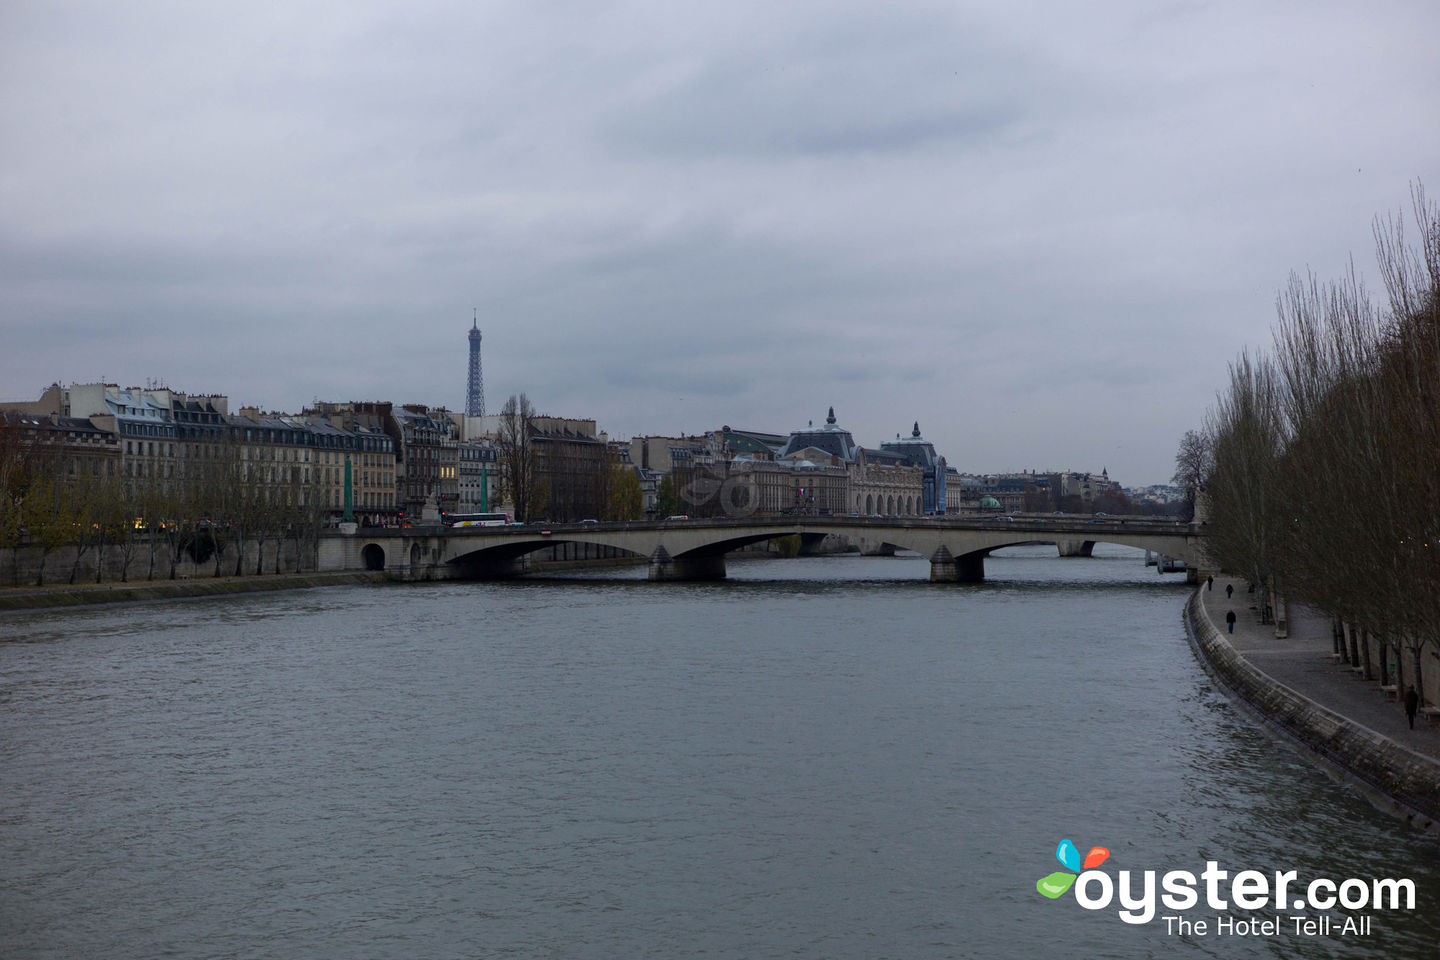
x=1294, y=686
x=193, y=580
x=74, y=595
x=85, y=594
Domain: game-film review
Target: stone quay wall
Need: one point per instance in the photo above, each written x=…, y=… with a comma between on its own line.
x=1393, y=776
x=149, y=561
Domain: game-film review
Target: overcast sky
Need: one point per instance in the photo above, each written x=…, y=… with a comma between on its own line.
x=1041, y=229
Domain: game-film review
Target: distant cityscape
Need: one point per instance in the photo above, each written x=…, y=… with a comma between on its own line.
x=382, y=463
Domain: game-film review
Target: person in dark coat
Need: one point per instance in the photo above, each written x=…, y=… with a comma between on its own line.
x=1229, y=590
x=1230, y=622
x=1209, y=583
x=1412, y=704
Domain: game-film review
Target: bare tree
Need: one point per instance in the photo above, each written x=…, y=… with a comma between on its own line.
x=518, y=459
x=1323, y=458
x=1247, y=441
x=1193, y=462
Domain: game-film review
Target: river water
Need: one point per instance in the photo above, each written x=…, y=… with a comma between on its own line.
x=821, y=757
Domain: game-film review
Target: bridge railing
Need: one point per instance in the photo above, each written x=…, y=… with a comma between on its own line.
x=1071, y=525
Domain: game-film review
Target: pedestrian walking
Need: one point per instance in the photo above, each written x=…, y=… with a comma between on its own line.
x=1229, y=590
x=1230, y=622
x=1209, y=583
x=1412, y=704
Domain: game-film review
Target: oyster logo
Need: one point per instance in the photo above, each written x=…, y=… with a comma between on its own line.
x=1145, y=894
x=1058, y=882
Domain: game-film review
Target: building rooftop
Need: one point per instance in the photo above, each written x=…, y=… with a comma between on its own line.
x=830, y=438
x=914, y=448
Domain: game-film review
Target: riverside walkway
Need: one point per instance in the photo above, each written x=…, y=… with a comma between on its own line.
x=1293, y=684
x=1302, y=662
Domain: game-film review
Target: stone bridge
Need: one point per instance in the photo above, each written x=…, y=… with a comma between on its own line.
x=695, y=549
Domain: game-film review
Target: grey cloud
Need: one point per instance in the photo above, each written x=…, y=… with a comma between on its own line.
x=1033, y=229
x=893, y=82
x=736, y=112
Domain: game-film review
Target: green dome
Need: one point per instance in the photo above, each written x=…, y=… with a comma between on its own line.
x=989, y=503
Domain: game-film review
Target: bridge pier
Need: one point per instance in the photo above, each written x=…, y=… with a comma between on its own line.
x=871, y=547
x=945, y=567
x=1076, y=548
x=824, y=544
x=704, y=567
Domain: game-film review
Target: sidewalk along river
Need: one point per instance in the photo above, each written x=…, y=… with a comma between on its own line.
x=820, y=757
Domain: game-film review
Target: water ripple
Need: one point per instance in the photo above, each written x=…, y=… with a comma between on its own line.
x=857, y=763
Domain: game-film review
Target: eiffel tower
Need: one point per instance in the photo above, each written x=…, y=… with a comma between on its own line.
x=475, y=392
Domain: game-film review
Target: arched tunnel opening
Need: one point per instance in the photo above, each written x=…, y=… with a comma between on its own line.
x=373, y=556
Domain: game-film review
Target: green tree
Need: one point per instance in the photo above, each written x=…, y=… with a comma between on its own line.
x=113, y=517
x=14, y=482
x=626, y=500
x=46, y=513
x=667, y=502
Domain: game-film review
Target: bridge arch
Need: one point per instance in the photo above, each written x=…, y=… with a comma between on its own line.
x=696, y=548
x=513, y=550
x=703, y=561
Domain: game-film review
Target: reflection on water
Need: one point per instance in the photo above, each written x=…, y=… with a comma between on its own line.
x=822, y=757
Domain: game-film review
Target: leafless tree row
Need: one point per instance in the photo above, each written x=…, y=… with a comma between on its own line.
x=1325, y=457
